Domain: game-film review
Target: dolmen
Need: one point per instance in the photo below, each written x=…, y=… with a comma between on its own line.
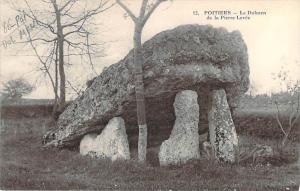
x=188, y=64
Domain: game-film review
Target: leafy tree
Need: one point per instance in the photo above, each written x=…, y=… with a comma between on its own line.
x=16, y=88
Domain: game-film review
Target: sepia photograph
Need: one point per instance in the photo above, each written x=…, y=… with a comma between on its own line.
x=150, y=95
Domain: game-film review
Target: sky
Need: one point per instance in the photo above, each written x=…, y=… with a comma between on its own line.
x=272, y=38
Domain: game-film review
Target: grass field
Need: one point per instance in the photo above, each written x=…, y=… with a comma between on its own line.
x=25, y=164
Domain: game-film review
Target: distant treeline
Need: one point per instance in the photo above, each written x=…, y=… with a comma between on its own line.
x=19, y=108
x=265, y=100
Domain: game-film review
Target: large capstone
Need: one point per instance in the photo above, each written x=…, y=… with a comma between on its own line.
x=199, y=58
x=183, y=143
x=222, y=131
x=112, y=143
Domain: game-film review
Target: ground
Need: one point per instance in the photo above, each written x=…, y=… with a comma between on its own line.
x=25, y=164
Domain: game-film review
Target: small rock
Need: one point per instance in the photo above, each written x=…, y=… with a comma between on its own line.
x=87, y=144
x=111, y=143
x=208, y=150
x=263, y=151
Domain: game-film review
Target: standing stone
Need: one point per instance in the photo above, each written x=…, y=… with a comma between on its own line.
x=183, y=143
x=111, y=143
x=222, y=132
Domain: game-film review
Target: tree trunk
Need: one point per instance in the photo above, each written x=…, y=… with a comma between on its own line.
x=56, y=75
x=60, y=41
x=62, y=97
x=139, y=93
x=55, y=106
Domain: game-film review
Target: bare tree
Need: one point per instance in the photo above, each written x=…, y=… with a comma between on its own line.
x=293, y=114
x=145, y=12
x=292, y=108
x=64, y=32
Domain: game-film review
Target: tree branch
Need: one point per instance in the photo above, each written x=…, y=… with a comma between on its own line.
x=89, y=54
x=143, y=8
x=39, y=39
x=33, y=17
x=66, y=4
x=44, y=63
x=132, y=16
x=157, y=3
x=90, y=14
x=78, y=92
x=278, y=120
